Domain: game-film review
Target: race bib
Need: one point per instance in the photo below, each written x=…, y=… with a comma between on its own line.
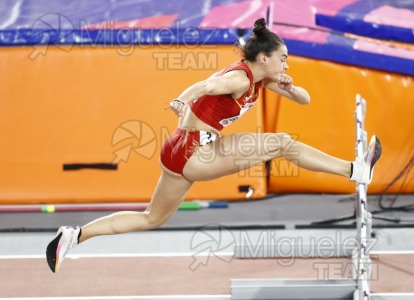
x=207, y=137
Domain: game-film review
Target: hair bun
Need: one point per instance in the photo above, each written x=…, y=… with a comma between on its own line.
x=260, y=28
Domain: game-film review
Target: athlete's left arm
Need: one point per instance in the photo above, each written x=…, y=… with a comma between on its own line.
x=283, y=85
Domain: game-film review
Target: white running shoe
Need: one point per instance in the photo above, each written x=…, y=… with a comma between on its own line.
x=65, y=239
x=363, y=168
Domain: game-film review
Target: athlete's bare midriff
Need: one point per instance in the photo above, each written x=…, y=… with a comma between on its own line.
x=191, y=122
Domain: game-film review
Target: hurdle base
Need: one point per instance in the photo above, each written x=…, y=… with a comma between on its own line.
x=301, y=251
x=266, y=289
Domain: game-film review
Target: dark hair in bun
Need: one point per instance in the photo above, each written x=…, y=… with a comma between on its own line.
x=260, y=27
x=261, y=41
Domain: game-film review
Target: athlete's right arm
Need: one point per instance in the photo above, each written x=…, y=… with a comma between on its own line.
x=234, y=83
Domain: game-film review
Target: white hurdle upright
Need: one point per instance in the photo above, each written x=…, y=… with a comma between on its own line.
x=356, y=288
x=364, y=218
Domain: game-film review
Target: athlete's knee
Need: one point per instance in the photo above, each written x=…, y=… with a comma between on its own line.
x=153, y=220
x=276, y=143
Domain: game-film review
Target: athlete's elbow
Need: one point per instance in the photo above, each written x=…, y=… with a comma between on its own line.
x=207, y=87
x=216, y=86
x=200, y=89
x=306, y=100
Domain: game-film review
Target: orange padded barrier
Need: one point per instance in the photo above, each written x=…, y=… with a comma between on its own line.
x=102, y=105
x=328, y=124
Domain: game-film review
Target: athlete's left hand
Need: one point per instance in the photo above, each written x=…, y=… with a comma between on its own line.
x=177, y=106
x=284, y=81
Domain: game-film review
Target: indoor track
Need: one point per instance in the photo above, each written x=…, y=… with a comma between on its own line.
x=179, y=262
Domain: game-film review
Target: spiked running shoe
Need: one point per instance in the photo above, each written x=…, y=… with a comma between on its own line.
x=66, y=238
x=363, y=168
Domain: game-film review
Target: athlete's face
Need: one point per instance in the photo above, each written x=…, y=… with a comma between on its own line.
x=277, y=62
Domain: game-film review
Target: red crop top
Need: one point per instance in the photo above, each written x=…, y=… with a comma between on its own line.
x=219, y=111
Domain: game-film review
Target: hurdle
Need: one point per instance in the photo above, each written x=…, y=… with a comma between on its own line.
x=364, y=218
x=357, y=287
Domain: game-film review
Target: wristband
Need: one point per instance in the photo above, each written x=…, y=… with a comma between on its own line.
x=179, y=101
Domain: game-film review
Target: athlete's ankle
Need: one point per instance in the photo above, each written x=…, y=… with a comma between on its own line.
x=79, y=235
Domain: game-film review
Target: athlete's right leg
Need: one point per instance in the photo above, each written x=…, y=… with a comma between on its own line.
x=169, y=193
x=233, y=153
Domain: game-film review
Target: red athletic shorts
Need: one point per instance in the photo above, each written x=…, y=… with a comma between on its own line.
x=181, y=145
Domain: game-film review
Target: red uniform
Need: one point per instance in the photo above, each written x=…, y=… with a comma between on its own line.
x=218, y=111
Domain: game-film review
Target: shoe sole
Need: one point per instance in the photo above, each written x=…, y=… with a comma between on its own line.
x=373, y=155
x=53, y=251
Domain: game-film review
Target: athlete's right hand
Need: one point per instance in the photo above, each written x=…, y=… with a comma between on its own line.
x=284, y=81
x=177, y=106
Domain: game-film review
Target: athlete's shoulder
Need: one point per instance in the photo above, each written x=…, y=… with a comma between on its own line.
x=238, y=65
x=239, y=68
